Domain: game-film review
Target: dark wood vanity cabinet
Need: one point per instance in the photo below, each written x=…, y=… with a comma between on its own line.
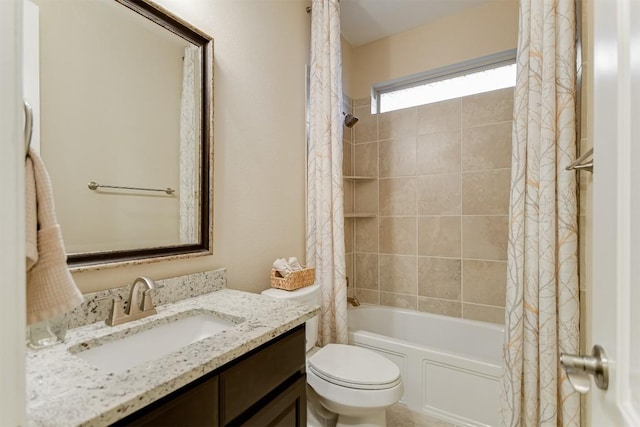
x=265, y=387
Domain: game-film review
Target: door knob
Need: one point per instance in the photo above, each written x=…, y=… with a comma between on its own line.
x=578, y=369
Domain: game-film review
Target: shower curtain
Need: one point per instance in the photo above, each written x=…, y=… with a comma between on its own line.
x=542, y=307
x=189, y=137
x=325, y=220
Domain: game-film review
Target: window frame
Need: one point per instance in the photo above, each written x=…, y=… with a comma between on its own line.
x=496, y=60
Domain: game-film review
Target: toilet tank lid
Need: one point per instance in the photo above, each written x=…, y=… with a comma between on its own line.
x=297, y=294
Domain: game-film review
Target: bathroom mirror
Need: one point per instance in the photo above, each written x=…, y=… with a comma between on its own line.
x=126, y=101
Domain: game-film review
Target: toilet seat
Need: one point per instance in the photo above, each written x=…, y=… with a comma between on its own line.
x=354, y=367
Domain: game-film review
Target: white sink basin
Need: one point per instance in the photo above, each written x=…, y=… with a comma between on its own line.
x=132, y=350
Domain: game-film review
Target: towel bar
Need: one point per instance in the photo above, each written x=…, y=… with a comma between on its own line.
x=94, y=186
x=28, y=126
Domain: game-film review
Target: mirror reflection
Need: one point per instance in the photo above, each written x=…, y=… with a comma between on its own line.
x=121, y=98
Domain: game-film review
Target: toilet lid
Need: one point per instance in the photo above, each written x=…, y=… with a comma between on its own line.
x=354, y=367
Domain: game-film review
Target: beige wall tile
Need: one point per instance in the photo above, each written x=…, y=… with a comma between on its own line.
x=440, y=306
x=457, y=165
x=397, y=157
x=398, y=235
x=366, y=234
x=348, y=196
x=347, y=158
x=398, y=273
x=439, y=278
x=484, y=313
x=366, y=196
x=349, y=264
x=582, y=188
x=485, y=237
x=489, y=107
x=367, y=128
x=347, y=134
x=484, y=282
x=486, y=192
x=399, y=300
x=440, y=236
x=366, y=271
x=368, y=296
x=397, y=196
x=349, y=235
x=439, y=194
x=397, y=124
x=487, y=147
x=582, y=251
x=441, y=116
x=438, y=153
x=365, y=159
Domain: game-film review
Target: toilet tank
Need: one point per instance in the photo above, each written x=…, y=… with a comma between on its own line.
x=307, y=295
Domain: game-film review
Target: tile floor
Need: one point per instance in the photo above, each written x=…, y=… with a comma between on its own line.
x=399, y=415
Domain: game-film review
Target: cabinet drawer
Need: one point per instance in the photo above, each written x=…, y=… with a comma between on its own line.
x=193, y=406
x=253, y=377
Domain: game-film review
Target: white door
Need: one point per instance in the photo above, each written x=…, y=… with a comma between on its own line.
x=12, y=272
x=615, y=296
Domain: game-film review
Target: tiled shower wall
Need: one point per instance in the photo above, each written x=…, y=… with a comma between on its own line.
x=439, y=190
x=347, y=170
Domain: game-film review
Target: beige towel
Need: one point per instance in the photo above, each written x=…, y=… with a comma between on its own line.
x=51, y=290
x=31, y=215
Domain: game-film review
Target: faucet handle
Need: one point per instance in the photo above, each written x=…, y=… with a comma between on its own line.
x=117, y=313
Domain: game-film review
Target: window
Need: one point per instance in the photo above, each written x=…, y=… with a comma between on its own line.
x=476, y=76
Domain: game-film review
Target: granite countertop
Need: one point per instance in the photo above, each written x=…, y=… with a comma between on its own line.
x=65, y=390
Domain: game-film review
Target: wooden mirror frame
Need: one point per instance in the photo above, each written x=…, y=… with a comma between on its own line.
x=93, y=260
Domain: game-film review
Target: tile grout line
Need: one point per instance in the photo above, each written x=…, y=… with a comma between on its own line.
x=461, y=224
x=377, y=140
x=416, y=210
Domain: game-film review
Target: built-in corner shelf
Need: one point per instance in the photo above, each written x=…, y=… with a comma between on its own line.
x=357, y=178
x=360, y=215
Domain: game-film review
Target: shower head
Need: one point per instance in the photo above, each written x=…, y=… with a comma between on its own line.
x=350, y=120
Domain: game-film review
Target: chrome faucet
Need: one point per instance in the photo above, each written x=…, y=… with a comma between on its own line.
x=353, y=301
x=136, y=310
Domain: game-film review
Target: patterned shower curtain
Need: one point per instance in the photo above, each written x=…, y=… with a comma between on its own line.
x=325, y=216
x=542, y=307
x=189, y=136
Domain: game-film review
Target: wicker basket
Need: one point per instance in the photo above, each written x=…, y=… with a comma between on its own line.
x=294, y=280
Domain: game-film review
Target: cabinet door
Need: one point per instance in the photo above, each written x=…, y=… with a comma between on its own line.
x=251, y=379
x=288, y=409
x=197, y=406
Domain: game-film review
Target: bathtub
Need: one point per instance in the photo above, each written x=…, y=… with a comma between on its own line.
x=450, y=367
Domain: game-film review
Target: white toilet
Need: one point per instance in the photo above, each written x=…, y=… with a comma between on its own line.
x=355, y=383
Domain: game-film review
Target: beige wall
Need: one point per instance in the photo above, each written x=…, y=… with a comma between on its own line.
x=260, y=51
x=347, y=66
x=440, y=192
x=483, y=30
x=105, y=107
